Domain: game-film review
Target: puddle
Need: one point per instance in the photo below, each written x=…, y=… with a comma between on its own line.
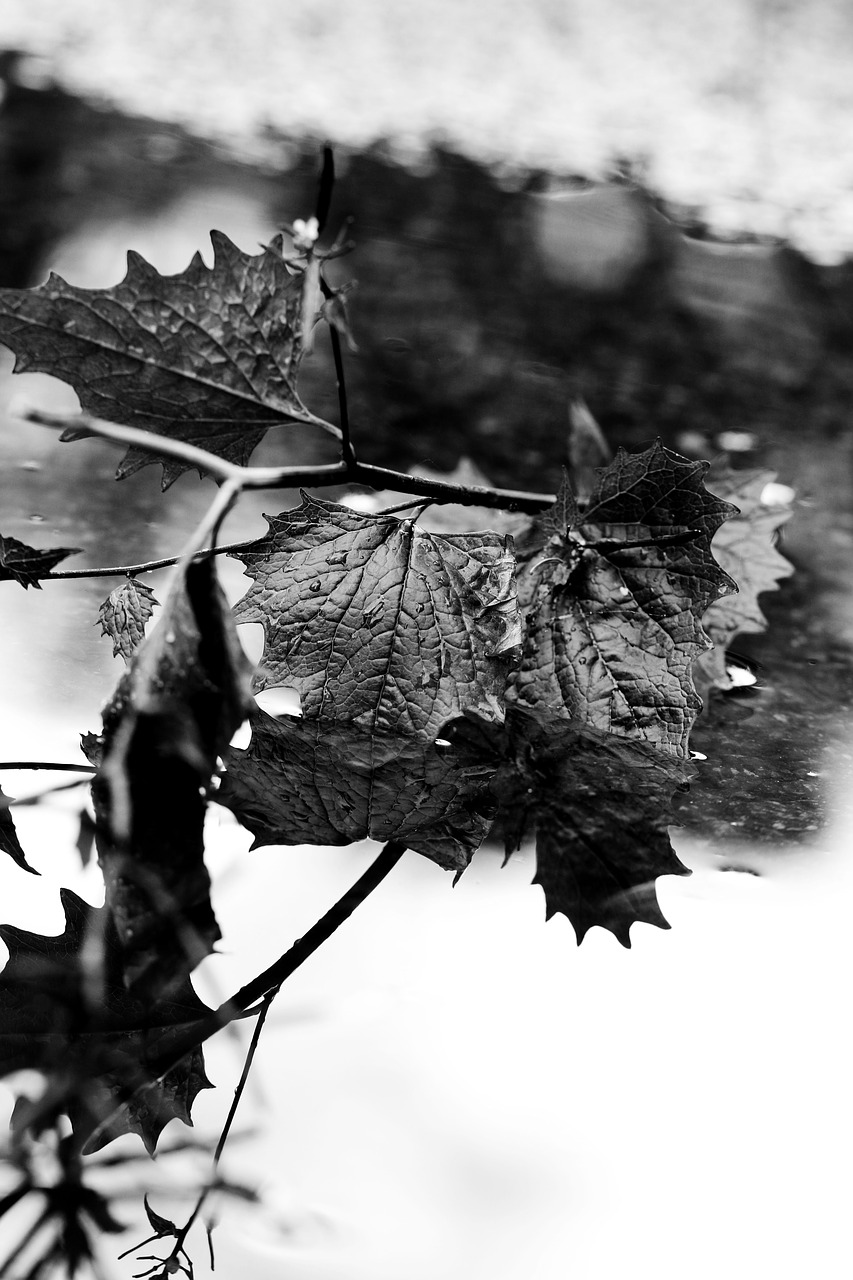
x=467, y=1079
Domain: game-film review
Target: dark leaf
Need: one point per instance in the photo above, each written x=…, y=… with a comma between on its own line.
x=600, y=806
x=745, y=547
x=208, y=356
x=163, y=1226
x=310, y=782
x=9, y=842
x=614, y=597
x=27, y=564
x=65, y=1011
x=171, y=717
x=123, y=616
x=85, y=838
x=378, y=623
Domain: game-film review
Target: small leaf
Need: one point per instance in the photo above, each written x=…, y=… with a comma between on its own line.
x=27, y=564
x=208, y=356
x=162, y=1226
x=614, y=595
x=123, y=616
x=9, y=842
x=375, y=622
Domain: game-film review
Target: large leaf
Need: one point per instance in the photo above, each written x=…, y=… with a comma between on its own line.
x=309, y=782
x=378, y=623
x=64, y=1011
x=745, y=546
x=614, y=595
x=28, y=565
x=208, y=356
x=123, y=616
x=600, y=806
x=186, y=691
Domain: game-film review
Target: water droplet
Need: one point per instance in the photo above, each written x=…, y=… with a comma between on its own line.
x=315, y=585
x=35, y=518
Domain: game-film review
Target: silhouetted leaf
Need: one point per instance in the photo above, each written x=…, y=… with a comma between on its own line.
x=600, y=806
x=208, y=356
x=378, y=623
x=614, y=595
x=162, y=1226
x=9, y=842
x=175, y=709
x=64, y=1011
x=123, y=616
x=311, y=782
x=27, y=564
x=745, y=546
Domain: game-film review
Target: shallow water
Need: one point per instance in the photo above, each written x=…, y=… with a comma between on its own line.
x=451, y=1088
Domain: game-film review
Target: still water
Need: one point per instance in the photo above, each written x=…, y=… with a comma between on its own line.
x=450, y=1088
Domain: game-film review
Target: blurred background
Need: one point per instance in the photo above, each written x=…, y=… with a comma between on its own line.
x=649, y=205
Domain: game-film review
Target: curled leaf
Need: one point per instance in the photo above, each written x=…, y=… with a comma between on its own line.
x=27, y=565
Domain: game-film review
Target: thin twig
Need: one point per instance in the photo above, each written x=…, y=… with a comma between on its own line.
x=232, y=1112
x=50, y=765
x=331, y=473
x=240, y=1005
x=278, y=972
x=147, y=566
x=347, y=446
x=211, y=463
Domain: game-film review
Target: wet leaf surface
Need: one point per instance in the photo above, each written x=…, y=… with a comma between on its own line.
x=614, y=595
x=123, y=616
x=313, y=782
x=378, y=623
x=209, y=356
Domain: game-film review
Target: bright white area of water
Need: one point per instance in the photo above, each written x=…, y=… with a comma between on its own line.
x=451, y=1088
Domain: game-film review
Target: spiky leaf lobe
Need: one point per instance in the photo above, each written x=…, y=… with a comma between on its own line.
x=208, y=356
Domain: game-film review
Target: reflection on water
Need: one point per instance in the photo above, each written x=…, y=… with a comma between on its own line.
x=472, y=1095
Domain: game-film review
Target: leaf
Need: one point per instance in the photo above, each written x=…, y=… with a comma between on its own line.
x=614, y=597
x=27, y=564
x=745, y=547
x=9, y=842
x=162, y=1226
x=64, y=1011
x=378, y=623
x=309, y=782
x=123, y=616
x=600, y=806
x=208, y=356
x=186, y=691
